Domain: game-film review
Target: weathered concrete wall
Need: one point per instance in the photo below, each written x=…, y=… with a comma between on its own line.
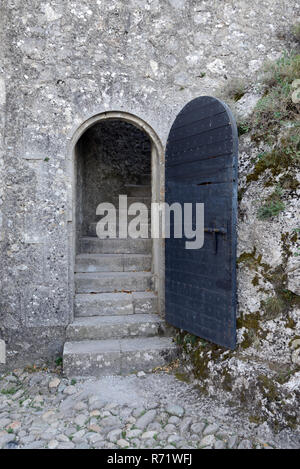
x=65, y=61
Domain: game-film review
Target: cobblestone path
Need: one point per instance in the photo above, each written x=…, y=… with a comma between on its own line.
x=44, y=410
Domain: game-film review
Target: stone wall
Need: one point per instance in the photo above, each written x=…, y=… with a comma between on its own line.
x=65, y=61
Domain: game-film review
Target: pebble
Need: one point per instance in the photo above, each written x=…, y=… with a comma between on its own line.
x=4, y=422
x=14, y=426
x=184, y=425
x=5, y=438
x=104, y=413
x=110, y=422
x=245, y=444
x=149, y=443
x=11, y=445
x=80, y=419
x=138, y=411
x=208, y=440
x=48, y=415
x=38, y=399
x=78, y=435
x=83, y=446
x=123, y=443
x=37, y=444
x=95, y=428
x=66, y=445
x=133, y=433
x=80, y=406
x=176, y=410
x=95, y=413
x=147, y=435
x=219, y=444
x=18, y=394
x=95, y=437
x=26, y=403
x=197, y=427
x=232, y=441
x=174, y=438
x=170, y=428
x=53, y=444
x=69, y=390
x=156, y=426
x=210, y=429
x=62, y=438
x=174, y=420
x=54, y=383
x=113, y=435
x=111, y=405
x=144, y=420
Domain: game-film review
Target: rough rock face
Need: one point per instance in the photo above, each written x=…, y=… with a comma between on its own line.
x=263, y=373
x=109, y=155
x=293, y=273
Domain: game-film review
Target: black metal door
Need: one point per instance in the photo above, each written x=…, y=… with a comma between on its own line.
x=201, y=166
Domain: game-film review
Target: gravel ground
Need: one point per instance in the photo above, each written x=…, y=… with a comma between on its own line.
x=42, y=409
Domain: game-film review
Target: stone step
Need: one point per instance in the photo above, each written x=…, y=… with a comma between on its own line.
x=143, y=200
x=101, y=282
x=138, y=190
x=146, y=200
x=92, y=228
x=123, y=211
x=103, y=304
x=115, y=357
x=115, y=327
x=94, y=245
x=113, y=262
x=145, y=212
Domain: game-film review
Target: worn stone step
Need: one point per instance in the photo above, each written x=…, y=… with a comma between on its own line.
x=102, y=304
x=92, y=228
x=101, y=282
x=115, y=327
x=138, y=190
x=114, y=357
x=145, y=212
x=143, y=200
x=121, y=212
x=113, y=262
x=94, y=245
x=146, y=200
x=144, y=302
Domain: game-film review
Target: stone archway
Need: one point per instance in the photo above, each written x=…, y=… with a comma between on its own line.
x=119, y=283
x=157, y=190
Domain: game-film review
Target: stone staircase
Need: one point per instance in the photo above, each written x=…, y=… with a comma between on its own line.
x=116, y=329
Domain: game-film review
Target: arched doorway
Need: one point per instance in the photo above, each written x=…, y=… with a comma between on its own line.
x=119, y=283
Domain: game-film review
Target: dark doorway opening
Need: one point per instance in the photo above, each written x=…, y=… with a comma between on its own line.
x=112, y=157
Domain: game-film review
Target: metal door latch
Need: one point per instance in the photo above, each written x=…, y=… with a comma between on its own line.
x=214, y=232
